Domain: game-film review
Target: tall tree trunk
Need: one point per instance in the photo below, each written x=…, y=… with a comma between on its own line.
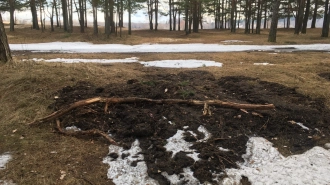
x=304, y=27
x=315, y=13
x=41, y=20
x=112, y=22
x=174, y=18
x=5, y=54
x=179, y=21
x=52, y=18
x=106, y=18
x=156, y=15
x=11, y=12
x=170, y=13
x=56, y=13
x=222, y=14
x=326, y=19
x=85, y=13
x=150, y=12
x=232, y=16
x=65, y=15
x=195, y=17
x=186, y=17
x=258, y=27
x=81, y=16
x=300, y=17
x=273, y=26
x=35, y=24
x=129, y=18
x=70, y=17
x=95, y=27
x=265, y=13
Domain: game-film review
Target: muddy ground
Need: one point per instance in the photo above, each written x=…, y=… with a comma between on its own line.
x=230, y=128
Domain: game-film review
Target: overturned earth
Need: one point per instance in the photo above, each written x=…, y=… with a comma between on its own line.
x=152, y=124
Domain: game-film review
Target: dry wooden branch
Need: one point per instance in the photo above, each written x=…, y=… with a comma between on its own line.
x=86, y=132
x=108, y=101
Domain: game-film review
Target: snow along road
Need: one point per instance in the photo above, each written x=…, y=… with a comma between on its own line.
x=84, y=47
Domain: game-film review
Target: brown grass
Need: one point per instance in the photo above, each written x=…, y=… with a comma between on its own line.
x=284, y=36
x=28, y=88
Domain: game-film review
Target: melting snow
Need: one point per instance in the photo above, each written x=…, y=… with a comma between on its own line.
x=176, y=144
x=121, y=170
x=84, y=47
x=4, y=158
x=264, y=64
x=77, y=60
x=161, y=63
x=234, y=41
x=181, y=63
x=187, y=177
x=265, y=165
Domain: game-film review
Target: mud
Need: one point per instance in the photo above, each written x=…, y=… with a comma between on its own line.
x=230, y=128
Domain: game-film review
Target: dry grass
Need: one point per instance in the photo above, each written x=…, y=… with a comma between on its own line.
x=284, y=36
x=27, y=88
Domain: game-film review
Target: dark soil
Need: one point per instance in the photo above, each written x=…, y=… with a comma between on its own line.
x=325, y=75
x=230, y=128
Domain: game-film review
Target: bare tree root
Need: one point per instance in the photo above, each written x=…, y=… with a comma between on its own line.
x=87, y=132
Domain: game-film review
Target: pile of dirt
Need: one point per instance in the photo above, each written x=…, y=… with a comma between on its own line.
x=230, y=128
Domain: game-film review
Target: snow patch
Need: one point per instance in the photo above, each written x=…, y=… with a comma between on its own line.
x=84, y=47
x=78, y=60
x=181, y=63
x=4, y=159
x=176, y=144
x=72, y=128
x=130, y=169
x=234, y=41
x=263, y=164
x=206, y=133
x=187, y=177
x=262, y=64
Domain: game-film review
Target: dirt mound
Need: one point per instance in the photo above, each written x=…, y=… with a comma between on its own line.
x=153, y=124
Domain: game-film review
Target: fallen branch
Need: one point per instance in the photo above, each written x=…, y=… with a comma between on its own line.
x=108, y=101
x=86, y=132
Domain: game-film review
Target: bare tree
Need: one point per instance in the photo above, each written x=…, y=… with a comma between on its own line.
x=5, y=54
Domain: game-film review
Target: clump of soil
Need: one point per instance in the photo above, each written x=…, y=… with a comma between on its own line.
x=230, y=128
x=325, y=75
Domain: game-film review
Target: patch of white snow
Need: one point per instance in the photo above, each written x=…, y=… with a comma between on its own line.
x=4, y=158
x=181, y=63
x=78, y=60
x=186, y=177
x=263, y=64
x=265, y=165
x=122, y=171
